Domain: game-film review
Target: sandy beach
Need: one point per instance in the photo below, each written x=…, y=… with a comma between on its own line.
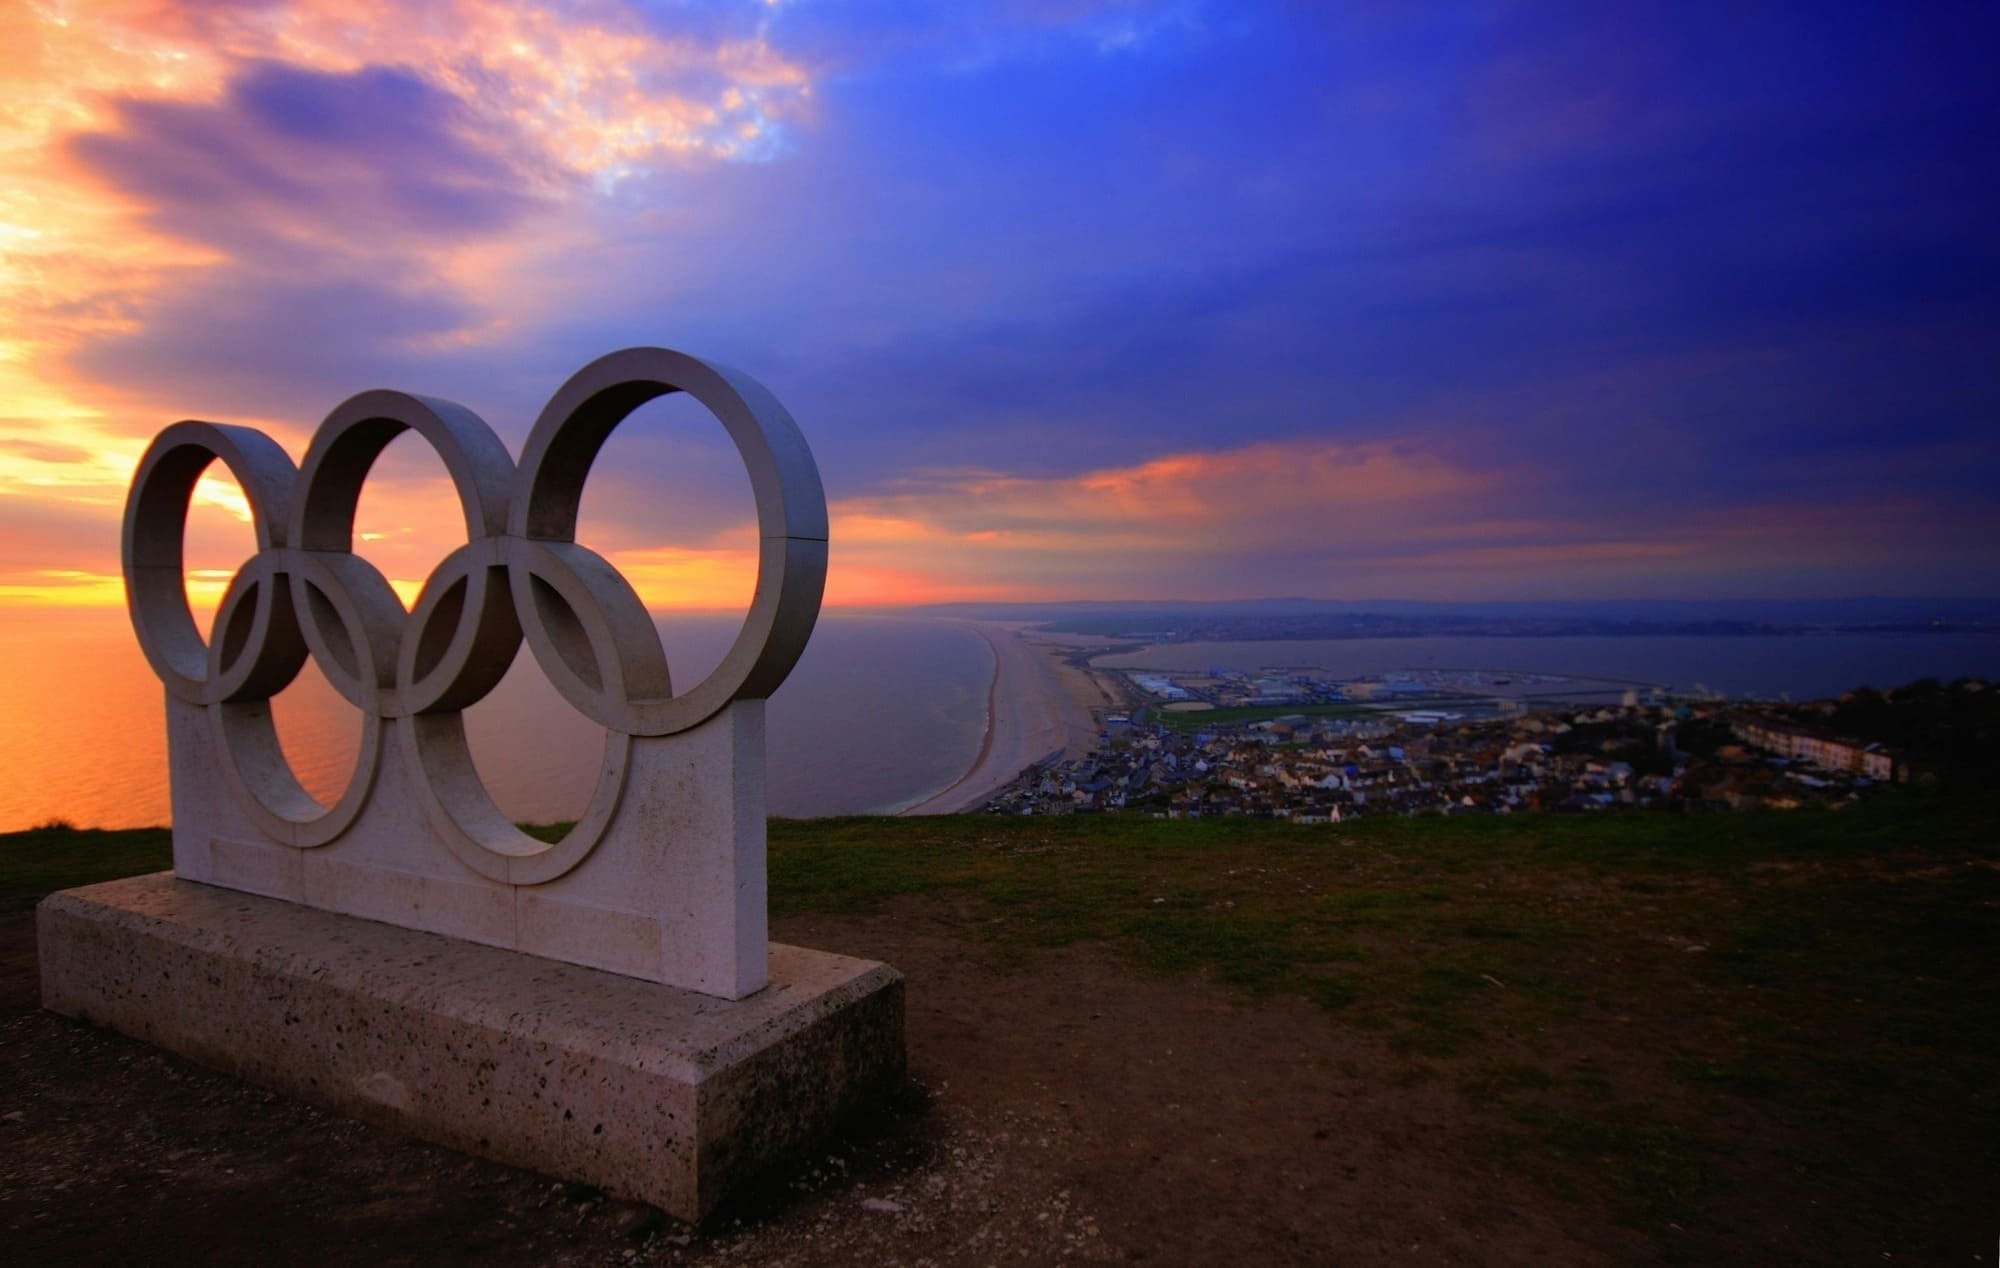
x=1037, y=708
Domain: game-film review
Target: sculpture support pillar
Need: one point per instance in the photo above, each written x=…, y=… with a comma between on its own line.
x=674, y=892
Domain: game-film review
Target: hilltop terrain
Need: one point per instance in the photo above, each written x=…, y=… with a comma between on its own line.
x=1628, y=1038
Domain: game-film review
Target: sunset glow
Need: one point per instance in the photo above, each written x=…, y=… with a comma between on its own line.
x=1103, y=300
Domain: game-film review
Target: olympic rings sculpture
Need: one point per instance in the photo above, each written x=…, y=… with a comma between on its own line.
x=520, y=575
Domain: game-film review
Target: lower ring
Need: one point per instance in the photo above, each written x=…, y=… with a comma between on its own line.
x=271, y=793
x=440, y=764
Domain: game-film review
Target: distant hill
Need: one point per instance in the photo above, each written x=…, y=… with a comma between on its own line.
x=1380, y=618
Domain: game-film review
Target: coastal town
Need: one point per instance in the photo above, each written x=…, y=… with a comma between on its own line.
x=1299, y=746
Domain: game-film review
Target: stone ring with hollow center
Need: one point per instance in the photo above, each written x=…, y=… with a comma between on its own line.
x=520, y=574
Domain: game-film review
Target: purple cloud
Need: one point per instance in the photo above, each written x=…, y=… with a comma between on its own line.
x=293, y=160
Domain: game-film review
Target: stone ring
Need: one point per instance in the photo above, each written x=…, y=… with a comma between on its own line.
x=520, y=574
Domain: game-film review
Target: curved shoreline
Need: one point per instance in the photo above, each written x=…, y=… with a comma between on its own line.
x=985, y=754
x=924, y=803
x=1030, y=717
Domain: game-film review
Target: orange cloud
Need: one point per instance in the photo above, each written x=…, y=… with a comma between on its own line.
x=1076, y=529
x=573, y=100
x=675, y=577
x=1338, y=520
x=1309, y=516
x=63, y=588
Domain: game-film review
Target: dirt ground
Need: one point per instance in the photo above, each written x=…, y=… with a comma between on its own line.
x=1066, y=1109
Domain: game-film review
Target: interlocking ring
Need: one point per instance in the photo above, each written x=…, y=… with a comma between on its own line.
x=520, y=574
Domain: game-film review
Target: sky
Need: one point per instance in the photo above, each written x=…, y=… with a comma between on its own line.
x=1074, y=299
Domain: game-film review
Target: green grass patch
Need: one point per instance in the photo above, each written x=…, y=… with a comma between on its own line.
x=1245, y=715
x=57, y=856
x=1242, y=715
x=1659, y=1171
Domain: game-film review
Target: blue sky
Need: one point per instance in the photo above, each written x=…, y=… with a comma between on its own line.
x=1074, y=298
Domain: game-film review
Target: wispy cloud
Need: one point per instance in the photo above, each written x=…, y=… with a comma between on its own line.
x=245, y=205
x=1073, y=296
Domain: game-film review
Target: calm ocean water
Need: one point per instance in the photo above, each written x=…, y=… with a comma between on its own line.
x=1804, y=667
x=880, y=712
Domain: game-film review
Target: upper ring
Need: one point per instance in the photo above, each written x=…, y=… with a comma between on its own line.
x=351, y=618
x=587, y=628
x=154, y=538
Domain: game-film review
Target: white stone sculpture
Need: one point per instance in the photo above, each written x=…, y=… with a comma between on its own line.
x=729, y=1056
x=662, y=878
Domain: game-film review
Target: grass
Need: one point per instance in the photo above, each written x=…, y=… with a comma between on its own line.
x=1210, y=719
x=58, y=856
x=1661, y=1170
x=1823, y=966
x=1238, y=715
x=1426, y=909
x=1817, y=965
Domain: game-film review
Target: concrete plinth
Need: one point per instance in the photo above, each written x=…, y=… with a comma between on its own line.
x=647, y=1091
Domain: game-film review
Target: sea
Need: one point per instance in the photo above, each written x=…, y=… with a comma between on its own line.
x=881, y=712
x=1769, y=666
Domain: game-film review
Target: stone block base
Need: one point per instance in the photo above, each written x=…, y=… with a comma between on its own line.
x=646, y=1091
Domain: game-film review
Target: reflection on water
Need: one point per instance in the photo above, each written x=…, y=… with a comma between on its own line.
x=879, y=711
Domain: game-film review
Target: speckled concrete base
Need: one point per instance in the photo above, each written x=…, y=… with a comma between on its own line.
x=663, y=1095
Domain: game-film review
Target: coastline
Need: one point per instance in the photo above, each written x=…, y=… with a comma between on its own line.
x=1035, y=710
